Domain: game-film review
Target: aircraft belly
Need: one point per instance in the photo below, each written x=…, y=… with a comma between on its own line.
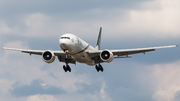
x=83, y=58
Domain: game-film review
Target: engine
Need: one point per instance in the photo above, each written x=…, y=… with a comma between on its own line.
x=48, y=57
x=106, y=56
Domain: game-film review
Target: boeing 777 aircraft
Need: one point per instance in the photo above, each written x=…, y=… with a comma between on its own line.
x=77, y=50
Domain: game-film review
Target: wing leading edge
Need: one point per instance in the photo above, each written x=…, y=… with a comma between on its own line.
x=36, y=52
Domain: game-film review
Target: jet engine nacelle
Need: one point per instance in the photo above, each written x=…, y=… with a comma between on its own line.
x=106, y=56
x=48, y=57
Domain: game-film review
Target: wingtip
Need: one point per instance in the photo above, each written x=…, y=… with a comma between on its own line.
x=4, y=48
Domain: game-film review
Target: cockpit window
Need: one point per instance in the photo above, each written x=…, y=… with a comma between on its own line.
x=65, y=37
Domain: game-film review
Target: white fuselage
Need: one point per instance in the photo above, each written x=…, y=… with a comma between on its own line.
x=76, y=48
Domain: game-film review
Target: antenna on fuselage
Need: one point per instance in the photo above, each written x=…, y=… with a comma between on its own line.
x=99, y=39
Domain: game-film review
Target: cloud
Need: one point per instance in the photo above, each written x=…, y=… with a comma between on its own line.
x=14, y=44
x=157, y=18
x=4, y=29
x=6, y=85
x=177, y=96
x=38, y=24
x=63, y=6
x=161, y=22
x=91, y=85
x=35, y=88
x=167, y=81
x=103, y=93
x=41, y=98
x=12, y=66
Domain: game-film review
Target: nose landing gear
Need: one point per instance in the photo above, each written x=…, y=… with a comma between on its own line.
x=67, y=67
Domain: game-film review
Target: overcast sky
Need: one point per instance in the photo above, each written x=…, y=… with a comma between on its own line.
x=33, y=24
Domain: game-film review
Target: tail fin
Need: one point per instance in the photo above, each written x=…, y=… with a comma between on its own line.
x=99, y=39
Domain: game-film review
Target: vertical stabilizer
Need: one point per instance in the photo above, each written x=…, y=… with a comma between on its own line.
x=99, y=39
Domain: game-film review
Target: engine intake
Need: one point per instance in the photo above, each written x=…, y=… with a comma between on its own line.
x=48, y=57
x=106, y=56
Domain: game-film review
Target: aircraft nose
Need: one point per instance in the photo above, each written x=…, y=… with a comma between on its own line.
x=64, y=44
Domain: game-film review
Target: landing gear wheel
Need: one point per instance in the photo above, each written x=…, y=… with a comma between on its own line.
x=67, y=59
x=97, y=68
x=68, y=68
x=101, y=68
x=65, y=68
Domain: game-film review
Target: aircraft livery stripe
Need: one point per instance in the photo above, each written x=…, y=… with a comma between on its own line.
x=81, y=50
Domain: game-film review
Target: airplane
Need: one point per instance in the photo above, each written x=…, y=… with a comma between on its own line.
x=75, y=50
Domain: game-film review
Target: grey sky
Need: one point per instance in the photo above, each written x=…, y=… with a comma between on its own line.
x=126, y=24
x=35, y=88
x=63, y=6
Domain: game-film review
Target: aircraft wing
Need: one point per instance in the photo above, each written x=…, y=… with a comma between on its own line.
x=125, y=52
x=60, y=54
x=36, y=52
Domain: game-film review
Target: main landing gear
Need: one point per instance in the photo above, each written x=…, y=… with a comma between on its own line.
x=99, y=68
x=67, y=67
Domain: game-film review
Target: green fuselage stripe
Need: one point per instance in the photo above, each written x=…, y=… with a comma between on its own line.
x=81, y=50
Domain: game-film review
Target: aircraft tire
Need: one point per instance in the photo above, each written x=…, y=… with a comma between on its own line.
x=101, y=68
x=97, y=68
x=68, y=68
x=65, y=68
